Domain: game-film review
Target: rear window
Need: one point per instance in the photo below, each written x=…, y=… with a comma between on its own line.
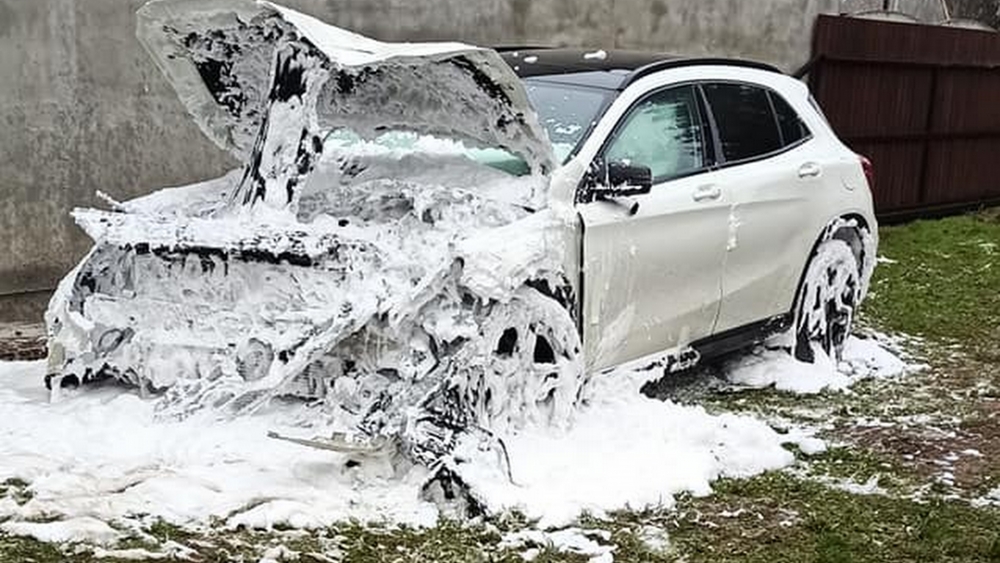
x=747, y=127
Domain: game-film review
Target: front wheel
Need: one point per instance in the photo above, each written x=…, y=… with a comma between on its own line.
x=827, y=299
x=524, y=367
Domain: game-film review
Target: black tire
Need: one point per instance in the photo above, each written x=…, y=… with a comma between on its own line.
x=827, y=299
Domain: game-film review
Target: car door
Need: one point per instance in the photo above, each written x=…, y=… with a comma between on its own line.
x=652, y=263
x=770, y=174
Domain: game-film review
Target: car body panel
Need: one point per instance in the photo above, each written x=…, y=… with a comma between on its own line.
x=221, y=57
x=652, y=279
x=771, y=226
x=771, y=221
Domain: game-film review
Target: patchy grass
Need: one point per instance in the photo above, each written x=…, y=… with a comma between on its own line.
x=788, y=519
x=930, y=441
x=448, y=542
x=942, y=281
x=28, y=550
x=861, y=466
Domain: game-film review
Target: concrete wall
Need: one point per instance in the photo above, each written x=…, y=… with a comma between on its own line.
x=777, y=31
x=82, y=109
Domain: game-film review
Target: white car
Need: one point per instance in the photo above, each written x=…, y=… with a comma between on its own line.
x=732, y=187
x=446, y=243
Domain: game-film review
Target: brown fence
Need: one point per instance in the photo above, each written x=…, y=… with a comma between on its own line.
x=922, y=102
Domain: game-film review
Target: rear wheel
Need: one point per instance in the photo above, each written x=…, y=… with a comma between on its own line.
x=824, y=309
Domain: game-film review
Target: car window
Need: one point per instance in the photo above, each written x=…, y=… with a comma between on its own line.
x=566, y=112
x=663, y=133
x=743, y=117
x=790, y=124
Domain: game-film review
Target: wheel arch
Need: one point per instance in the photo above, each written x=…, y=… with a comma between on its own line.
x=558, y=287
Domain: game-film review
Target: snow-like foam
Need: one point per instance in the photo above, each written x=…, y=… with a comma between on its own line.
x=863, y=358
x=101, y=457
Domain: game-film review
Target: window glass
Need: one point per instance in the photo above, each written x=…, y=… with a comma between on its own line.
x=747, y=127
x=566, y=112
x=789, y=122
x=405, y=142
x=663, y=133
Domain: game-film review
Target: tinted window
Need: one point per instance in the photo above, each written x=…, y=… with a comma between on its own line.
x=664, y=133
x=789, y=122
x=743, y=115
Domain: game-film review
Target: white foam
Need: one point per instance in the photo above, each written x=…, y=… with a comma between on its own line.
x=862, y=359
x=99, y=456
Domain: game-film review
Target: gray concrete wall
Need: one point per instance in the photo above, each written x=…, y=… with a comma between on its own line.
x=83, y=109
x=776, y=31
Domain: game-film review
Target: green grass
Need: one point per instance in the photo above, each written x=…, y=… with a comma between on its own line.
x=828, y=525
x=944, y=283
x=447, y=542
x=860, y=466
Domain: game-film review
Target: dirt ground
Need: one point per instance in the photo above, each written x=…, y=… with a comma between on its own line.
x=22, y=341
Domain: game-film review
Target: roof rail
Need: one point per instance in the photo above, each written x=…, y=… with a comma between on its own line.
x=509, y=48
x=694, y=61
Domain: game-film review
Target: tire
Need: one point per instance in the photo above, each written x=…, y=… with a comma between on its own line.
x=523, y=368
x=530, y=364
x=826, y=302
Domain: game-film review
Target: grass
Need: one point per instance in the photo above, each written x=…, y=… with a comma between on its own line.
x=827, y=525
x=942, y=281
x=449, y=541
x=942, y=284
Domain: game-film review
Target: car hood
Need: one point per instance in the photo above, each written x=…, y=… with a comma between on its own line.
x=223, y=57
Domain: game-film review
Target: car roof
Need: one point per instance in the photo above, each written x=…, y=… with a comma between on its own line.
x=611, y=69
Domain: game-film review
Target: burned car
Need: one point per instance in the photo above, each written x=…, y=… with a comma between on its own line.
x=445, y=243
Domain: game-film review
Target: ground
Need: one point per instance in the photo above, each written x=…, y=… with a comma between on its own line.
x=22, y=341
x=911, y=471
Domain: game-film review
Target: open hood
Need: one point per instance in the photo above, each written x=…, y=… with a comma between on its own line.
x=234, y=62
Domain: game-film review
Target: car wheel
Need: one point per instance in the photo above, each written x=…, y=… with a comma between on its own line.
x=531, y=364
x=524, y=367
x=824, y=308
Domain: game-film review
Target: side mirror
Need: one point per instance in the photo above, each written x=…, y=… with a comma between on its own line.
x=618, y=179
x=630, y=179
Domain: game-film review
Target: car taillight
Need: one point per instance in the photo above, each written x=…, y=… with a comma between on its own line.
x=866, y=166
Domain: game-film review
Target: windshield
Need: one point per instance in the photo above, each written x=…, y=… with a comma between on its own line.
x=567, y=112
x=404, y=142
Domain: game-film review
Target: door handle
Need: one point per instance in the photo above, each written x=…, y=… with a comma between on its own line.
x=707, y=193
x=810, y=170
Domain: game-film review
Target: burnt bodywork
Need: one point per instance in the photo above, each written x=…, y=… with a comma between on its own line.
x=364, y=276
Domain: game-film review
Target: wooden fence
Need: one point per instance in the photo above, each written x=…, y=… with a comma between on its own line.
x=922, y=102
